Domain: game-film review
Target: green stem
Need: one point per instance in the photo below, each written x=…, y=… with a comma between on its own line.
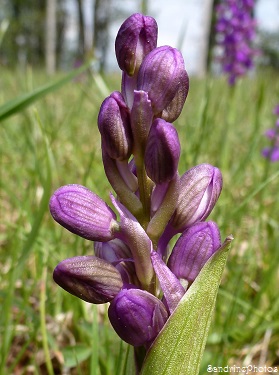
x=141, y=120
x=163, y=214
x=144, y=188
x=126, y=196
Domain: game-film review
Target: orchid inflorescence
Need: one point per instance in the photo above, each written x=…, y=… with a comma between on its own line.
x=132, y=267
x=236, y=30
x=272, y=152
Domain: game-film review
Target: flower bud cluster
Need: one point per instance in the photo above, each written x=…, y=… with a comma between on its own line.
x=272, y=152
x=236, y=30
x=131, y=267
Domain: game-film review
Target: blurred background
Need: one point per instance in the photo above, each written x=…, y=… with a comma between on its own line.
x=60, y=34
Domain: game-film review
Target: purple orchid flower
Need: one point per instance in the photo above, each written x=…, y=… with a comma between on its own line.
x=236, y=29
x=152, y=202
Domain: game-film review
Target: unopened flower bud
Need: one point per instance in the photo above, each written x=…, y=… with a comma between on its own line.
x=162, y=152
x=193, y=249
x=160, y=75
x=82, y=212
x=114, y=126
x=137, y=316
x=136, y=37
x=200, y=188
x=173, y=110
x=89, y=278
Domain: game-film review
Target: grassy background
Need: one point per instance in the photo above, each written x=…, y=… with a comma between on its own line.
x=54, y=142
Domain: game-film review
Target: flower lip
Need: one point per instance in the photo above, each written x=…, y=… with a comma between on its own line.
x=82, y=212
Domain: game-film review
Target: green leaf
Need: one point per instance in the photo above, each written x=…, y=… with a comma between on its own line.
x=21, y=102
x=73, y=355
x=179, y=347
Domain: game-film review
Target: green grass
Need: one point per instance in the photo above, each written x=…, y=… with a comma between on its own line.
x=55, y=141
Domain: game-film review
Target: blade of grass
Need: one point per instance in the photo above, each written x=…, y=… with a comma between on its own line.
x=94, y=362
x=38, y=217
x=23, y=101
x=6, y=318
x=43, y=322
x=254, y=192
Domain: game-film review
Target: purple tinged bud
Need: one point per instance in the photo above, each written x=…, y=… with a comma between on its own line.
x=162, y=152
x=115, y=128
x=193, y=249
x=173, y=110
x=161, y=75
x=136, y=37
x=89, y=278
x=137, y=316
x=83, y=213
x=200, y=187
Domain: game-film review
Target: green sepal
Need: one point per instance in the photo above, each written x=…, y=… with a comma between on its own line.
x=179, y=347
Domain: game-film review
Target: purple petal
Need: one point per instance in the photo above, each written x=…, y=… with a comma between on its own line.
x=83, y=213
